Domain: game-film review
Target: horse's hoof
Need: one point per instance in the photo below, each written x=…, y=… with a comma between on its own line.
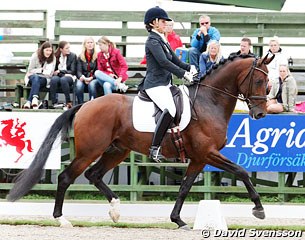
x=114, y=214
x=64, y=223
x=185, y=227
x=114, y=211
x=259, y=213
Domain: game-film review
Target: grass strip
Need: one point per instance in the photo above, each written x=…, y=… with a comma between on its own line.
x=52, y=223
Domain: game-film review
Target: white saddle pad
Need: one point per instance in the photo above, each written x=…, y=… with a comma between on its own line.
x=142, y=112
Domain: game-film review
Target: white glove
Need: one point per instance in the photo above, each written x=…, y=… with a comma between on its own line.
x=189, y=77
x=193, y=70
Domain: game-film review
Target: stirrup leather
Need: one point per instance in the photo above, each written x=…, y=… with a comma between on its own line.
x=155, y=153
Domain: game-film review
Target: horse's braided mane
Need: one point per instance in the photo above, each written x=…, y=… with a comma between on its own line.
x=223, y=61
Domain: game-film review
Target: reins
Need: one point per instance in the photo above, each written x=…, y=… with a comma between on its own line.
x=239, y=97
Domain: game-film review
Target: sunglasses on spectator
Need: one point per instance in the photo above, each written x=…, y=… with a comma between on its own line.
x=202, y=23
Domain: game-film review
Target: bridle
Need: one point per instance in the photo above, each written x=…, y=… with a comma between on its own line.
x=247, y=96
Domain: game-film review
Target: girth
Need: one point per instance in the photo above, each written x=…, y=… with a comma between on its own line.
x=178, y=100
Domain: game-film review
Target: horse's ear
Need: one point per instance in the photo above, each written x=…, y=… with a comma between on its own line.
x=267, y=60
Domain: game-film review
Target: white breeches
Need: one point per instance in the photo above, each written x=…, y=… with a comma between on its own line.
x=162, y=97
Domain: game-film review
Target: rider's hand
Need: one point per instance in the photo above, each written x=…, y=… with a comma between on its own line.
x=188, y=76
x=193, y=70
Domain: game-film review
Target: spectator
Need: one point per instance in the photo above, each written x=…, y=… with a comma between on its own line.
x=40, y=70
x=112, y=67
x=280, y=58
x=200, y=39
x=209, y=58
x=282, y=96
x=86, y=66
x=64, y=74
x=172, y=37
x=245, y=45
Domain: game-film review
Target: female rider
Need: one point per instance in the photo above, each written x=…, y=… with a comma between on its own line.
x=161, y=64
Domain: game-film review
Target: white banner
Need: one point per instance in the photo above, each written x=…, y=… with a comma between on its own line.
x=21, y=134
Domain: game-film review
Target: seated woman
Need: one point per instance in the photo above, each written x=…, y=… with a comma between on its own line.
x=64, y=74
x=210, y=57
x=86, y=66
x=112, y=67
x=283, y=92
x=40, y=70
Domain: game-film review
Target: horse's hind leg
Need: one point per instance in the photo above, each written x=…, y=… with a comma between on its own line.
x=111, y=158
x=192, y=172
x=65, y=179
x=218, y=160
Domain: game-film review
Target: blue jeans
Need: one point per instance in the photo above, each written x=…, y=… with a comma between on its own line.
x=194, y=55
x=36, y=82
x=80, y=88
x=63, y=82
x=105, y=81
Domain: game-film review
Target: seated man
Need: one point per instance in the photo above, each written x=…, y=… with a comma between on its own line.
x=200, y=39
x=245, y=45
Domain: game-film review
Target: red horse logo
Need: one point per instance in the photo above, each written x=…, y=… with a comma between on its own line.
x=15, y=139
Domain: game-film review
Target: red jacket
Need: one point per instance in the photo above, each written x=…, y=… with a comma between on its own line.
x=174, y=40
x=116, y=61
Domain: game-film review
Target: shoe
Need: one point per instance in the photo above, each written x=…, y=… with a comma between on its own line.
x=58, y=106
x=15, y=105
x=69, y=105
x=122, y=87
x=35, y=103
x=6, y=107
x=27, y=105
x=45, y=104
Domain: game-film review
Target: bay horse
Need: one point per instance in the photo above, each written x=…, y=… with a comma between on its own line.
x=103, y=130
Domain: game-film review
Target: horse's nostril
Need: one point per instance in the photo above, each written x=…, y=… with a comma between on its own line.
x=260, y=115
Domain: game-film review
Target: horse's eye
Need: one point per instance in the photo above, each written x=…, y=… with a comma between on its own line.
x=259, y=81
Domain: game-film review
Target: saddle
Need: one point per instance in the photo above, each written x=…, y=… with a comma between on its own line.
x=178, y=100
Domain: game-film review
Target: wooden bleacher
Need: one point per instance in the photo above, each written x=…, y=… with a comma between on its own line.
x=127, y=30
x=23, y=30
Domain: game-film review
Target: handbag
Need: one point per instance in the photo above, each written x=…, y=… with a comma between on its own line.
x=300, y=107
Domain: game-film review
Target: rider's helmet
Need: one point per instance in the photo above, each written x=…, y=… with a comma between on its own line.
x=153, y=13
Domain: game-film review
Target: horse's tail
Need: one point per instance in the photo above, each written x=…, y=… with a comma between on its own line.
x=29, y=146
x=26, y=179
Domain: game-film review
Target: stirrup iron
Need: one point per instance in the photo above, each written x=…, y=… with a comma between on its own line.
x=155, y=153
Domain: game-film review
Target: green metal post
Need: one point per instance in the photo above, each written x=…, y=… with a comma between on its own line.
x=207, y=183
x=133, y=177
x=281, y=185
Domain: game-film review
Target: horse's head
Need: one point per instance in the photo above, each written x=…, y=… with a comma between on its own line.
x=253, y=87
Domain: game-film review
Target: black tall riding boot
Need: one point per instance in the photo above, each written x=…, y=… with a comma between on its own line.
x=162, y=126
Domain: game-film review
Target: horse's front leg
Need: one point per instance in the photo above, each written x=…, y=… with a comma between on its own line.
x=216, y=159
x=192, y=172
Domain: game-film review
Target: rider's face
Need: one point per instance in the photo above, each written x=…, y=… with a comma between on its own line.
x=161, y=25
